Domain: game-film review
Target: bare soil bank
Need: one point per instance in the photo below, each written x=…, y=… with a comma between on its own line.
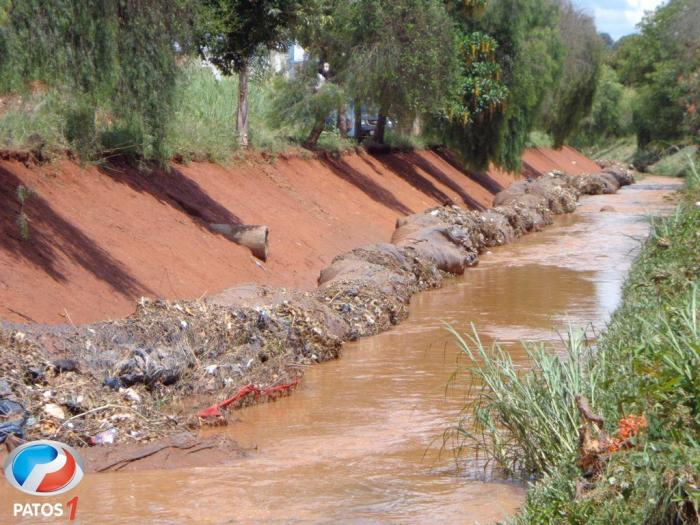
x=100, y=237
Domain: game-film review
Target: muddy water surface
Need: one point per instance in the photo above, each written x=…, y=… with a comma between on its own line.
x=359, y=441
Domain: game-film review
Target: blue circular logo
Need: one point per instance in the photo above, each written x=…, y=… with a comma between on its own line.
x=44, y=468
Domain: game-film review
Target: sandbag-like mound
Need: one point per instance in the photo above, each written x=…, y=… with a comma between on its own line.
x=624, y=176
x=551, y=193
x=254, y=339
x=522, y=218
x=371, y=286
x=450, y=247
x=595, y=184
x=556, y=188
x=272, y=301
x=496, y=229
x=381, y=257
x=367, y=307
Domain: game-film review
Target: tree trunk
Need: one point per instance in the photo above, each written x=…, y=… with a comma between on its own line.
x=358, y=120
x=417, y=127
x=315, y=134
x=342, y=120
x=381, y=127
x=242, y=117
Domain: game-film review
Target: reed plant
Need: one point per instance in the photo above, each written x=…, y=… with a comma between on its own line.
x=646, y=362
x=524, y=419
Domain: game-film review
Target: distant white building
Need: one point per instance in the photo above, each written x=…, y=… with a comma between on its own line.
x=288, y=62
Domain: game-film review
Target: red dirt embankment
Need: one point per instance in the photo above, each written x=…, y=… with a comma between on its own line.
x=102, y=236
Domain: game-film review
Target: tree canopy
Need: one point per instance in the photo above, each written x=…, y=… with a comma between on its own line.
x=230, y=32
x=658, y=70
x=477, y=75
x=114, y=54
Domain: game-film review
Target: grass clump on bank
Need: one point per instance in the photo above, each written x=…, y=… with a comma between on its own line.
x=203, y=124
x=200, y=126
x=646, y=363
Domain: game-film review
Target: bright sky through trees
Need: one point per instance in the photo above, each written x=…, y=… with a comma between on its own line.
x=618, y=17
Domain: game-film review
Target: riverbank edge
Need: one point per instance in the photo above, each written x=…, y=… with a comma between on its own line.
x=113, y=382
x=642, y=381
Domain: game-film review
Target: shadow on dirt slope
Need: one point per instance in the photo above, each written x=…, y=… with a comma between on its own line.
x=480, y=177
x=174, y=189
x=50, y=235
x=373, y=190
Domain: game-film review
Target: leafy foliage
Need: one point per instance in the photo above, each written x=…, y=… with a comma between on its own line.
x=574, y=93
x=532, y=54
x=118, y=56
x=501, y=91
x=481, y=74
x=404, y=56
x=612, y=112
x=298, y=105
x=230, y=32
x=479, y=97
x=663, y=65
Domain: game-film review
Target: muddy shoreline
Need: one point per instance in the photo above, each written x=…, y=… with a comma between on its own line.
x=140, y=379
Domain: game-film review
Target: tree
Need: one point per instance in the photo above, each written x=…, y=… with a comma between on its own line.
x=608, y=41
x=469, y=123
x=230, y=32
x=532, y=56
x=517, y=61
x=116, y=55
x=325, y=31
x=574, y=92
x=663, y=63
x=302, y=106
x=611, y=113
x=403, y=60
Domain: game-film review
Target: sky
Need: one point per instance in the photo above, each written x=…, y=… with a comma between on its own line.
x=617, y=17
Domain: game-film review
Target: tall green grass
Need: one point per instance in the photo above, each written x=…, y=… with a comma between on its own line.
x=526, y=421
x=34, y=115
x=679, y=164
x=202, y=125
x=646, y=362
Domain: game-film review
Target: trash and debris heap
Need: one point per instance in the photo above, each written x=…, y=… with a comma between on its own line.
x=150, y=374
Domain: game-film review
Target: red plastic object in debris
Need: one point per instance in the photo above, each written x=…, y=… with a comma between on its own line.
x=271, y=391
x=215, y=410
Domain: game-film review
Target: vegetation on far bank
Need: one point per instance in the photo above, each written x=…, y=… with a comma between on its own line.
x=124, y=79
x=646, y=364
x=647, y=101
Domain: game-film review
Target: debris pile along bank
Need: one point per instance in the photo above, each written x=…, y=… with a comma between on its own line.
x=146, y=376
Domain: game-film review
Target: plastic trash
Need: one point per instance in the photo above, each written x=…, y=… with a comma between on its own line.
x=9, y=428
x=112, y=382
x=106, y=438
x=54, y=410
x=8, y=407
x=65, y=365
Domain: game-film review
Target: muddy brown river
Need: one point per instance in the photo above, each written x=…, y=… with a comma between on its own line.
x=359, y=442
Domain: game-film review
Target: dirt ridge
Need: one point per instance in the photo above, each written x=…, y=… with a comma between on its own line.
x=145, y=375
x=102, y=236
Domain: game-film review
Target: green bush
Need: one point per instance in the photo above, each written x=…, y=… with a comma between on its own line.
x=677, y=164
x=39, y=115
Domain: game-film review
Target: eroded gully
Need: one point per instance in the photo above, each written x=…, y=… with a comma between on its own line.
x=360, y=440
